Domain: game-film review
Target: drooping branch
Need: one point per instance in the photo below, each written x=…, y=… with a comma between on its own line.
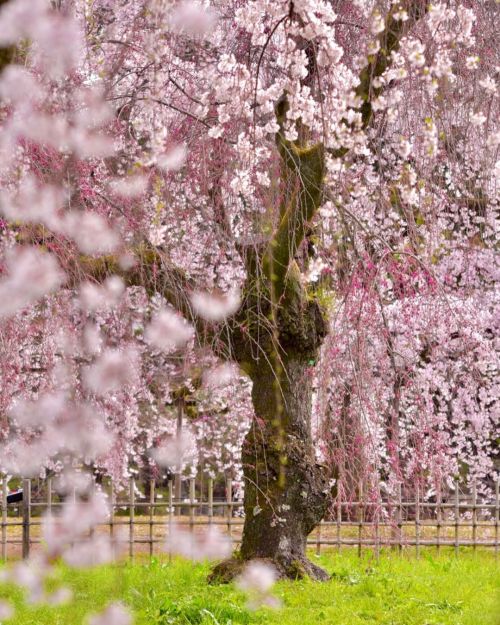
x=303, y=165
x=389, y=40
x=150, y=270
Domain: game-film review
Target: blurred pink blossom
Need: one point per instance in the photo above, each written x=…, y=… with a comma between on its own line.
x=257, y=580
x=6, y=611
x=216, y=306
x=211, y=545
x=31, y=274
x=192, y=19
x=179, y=450
x=173, y=159
x=94, y=296
x=91, y=232
x=220, y=376
x=114, y=369
x=114, y=614
x=168, y=330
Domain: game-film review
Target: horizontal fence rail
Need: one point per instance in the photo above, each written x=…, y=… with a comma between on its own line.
x=148, y=518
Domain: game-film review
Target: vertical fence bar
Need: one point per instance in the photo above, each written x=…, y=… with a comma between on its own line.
x=438, y=519
x=170, y=515
x=152, y=486
x=318, y=539
x=457, y=517
x=92, y=493
x=339, y=518
x=4, y=518
x=210, y=489
x=112, y=510
x=131, y=517
x=49, y=496
x=192, y=498
x=400, y=519
x=474, y=516
x=229, y=499
x=497, y=514
x=26, y=517
x=377, y=534
x=361, y=516
x=417, y=522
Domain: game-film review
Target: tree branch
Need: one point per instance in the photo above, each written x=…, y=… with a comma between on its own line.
x=303, y=166
x=389, y=41
x=150, y=270
x=302, y=177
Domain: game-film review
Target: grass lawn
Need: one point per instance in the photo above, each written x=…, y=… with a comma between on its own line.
x=396, y=591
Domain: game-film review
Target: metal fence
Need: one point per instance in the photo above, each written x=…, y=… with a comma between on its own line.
x=144, y=521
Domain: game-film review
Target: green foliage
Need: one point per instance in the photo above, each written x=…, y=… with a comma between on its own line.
x=396, y=591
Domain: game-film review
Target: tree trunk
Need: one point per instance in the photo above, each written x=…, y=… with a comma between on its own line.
x=286, y=491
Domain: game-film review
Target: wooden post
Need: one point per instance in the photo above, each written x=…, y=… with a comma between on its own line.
x=170, y=515
x=192, y=497
x=26, y=507
x=151, y=515
x=131, y=510
x=474, y=516
x=4, y=519
x=92, y=494
x=400, y=520
x=417, y=522
x=457, y=516
x=438, y=520
x=339, y=516
x=210, y=501
x=49, y=496
x=497, y=513
x=229, y=499
x=361, y=517
x=177, y=468
x=111, y=509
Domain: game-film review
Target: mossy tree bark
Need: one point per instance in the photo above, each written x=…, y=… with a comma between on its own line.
x=286, y=490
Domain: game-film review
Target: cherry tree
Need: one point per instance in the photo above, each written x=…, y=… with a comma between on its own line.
x=306, y=189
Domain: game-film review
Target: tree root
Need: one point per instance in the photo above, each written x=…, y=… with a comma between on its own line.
x=289, y=567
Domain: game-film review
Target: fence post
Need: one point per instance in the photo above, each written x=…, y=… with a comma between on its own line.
x=111, y=509
x=170, y=515
x=210, y=500
x=400, y=519
x=474, y=515
x=49, y=496
x=497, y=511
x=152, y=486
x=417, y=522
x=438, y=519
x=229, y=499
x=192, y=504
x=457, y=516
x=361, y=518
x=4, y=518
x=131, y=511
x=339, y=516
x=26, y=517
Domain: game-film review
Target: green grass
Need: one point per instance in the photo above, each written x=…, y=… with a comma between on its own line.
x=396, y=591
